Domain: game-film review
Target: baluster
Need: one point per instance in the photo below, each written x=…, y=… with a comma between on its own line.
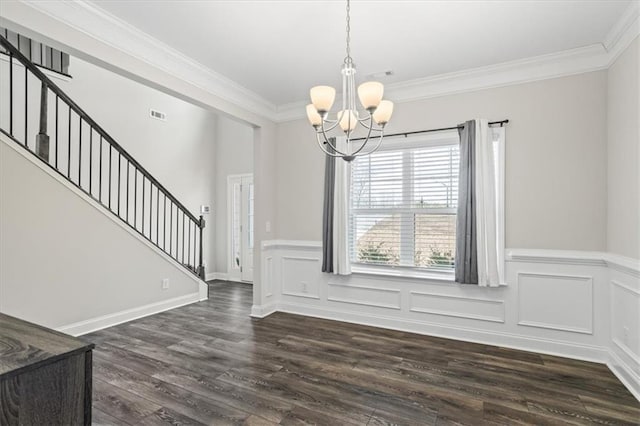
x=195, y=240
x=142, y=213
x=128, y=167
x=183, y=237
x=11, y=94
x=109, y=176
x=90, y=160
x=69, y=146
x=158, y=216
x=42, y=139
x=119, y=166
x=80, y=151
x=150, y=207
x=26, y=104
x=100, y=173
x=201, y=265
x=57, y=101
x=176, y=254
x=135, y=197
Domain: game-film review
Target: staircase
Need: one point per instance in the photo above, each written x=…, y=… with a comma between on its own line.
x=64, y=137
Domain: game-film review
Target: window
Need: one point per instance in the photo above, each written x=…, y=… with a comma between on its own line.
x=404, y=202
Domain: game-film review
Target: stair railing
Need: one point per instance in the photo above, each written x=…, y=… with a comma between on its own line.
x=82, y=152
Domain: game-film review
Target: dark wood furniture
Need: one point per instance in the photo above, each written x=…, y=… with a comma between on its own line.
x=45, y=376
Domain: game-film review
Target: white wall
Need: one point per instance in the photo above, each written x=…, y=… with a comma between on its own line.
x=172, y=77
x=179, y=152
x=623, y=154
x=67, y=264
x=623, y=204
x=234, y=144
x=555, y=168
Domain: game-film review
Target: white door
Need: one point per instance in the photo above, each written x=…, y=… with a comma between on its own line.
x=241, y=228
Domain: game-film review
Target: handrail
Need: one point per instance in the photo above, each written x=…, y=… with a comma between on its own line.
x=177, y=240
x=55, y=89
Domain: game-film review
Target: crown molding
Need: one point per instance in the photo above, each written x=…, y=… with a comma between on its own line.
x=569, y=62
x=95, y=22
x=626, y=29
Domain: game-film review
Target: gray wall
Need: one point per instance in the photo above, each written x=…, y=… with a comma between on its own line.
x=623, y=143
x=179, y=152
x=555, y=160
x=234, y=145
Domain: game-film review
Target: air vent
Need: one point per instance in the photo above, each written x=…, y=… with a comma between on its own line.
x=379, y=75
x=158, y=115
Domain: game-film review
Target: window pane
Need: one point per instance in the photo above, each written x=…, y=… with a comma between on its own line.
x=377, y=180
x=235, y=227
x=435, y=177
x=250, y=213
x=377, y=239
x=435, y=240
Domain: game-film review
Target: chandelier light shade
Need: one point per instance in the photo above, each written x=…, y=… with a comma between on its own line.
x=374, y=116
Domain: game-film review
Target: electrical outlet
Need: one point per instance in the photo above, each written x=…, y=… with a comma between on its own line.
x=304, y=287
x=165, y=284
x=625, y=335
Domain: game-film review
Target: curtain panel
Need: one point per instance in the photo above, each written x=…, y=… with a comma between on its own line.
x=478, y=252
x=335, y=225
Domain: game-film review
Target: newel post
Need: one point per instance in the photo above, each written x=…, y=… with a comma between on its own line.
x=201, y=265
x=42, y=139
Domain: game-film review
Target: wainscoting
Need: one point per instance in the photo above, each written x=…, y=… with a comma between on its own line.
x=582, y=305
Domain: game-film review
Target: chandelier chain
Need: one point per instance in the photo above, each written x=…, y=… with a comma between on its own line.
x=348, y=59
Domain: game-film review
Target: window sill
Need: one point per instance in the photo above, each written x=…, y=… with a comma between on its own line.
x=446, y=277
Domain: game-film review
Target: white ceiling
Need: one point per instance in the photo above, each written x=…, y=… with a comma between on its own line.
x=279, y=49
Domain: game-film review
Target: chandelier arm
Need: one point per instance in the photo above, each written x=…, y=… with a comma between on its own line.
x=333, y=126
x=326, y=141
x=370, y=126
x=365, y=141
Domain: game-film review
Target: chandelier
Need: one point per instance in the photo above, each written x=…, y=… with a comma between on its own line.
x=376, y=110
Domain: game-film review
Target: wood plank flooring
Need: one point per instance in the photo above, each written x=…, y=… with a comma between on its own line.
x=209, y=363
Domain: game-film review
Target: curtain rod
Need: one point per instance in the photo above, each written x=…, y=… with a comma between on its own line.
x=405, y=134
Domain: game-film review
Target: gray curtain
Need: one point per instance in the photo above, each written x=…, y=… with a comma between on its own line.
x=466, y=261
x=327, y=211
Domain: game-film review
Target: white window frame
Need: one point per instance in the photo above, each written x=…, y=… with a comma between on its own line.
x=437, y=139
x=407, y=231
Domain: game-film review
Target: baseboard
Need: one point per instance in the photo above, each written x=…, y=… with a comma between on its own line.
x=263, y=310
x=98, y=323
x=507, y=340
x=223, y=276
x=624, y=373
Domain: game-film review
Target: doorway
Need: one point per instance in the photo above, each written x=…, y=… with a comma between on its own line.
x=241, y=235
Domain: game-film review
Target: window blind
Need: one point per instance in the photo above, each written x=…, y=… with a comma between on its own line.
x=403, y=206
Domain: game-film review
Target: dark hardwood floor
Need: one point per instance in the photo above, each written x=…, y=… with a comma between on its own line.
x=209, y=363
